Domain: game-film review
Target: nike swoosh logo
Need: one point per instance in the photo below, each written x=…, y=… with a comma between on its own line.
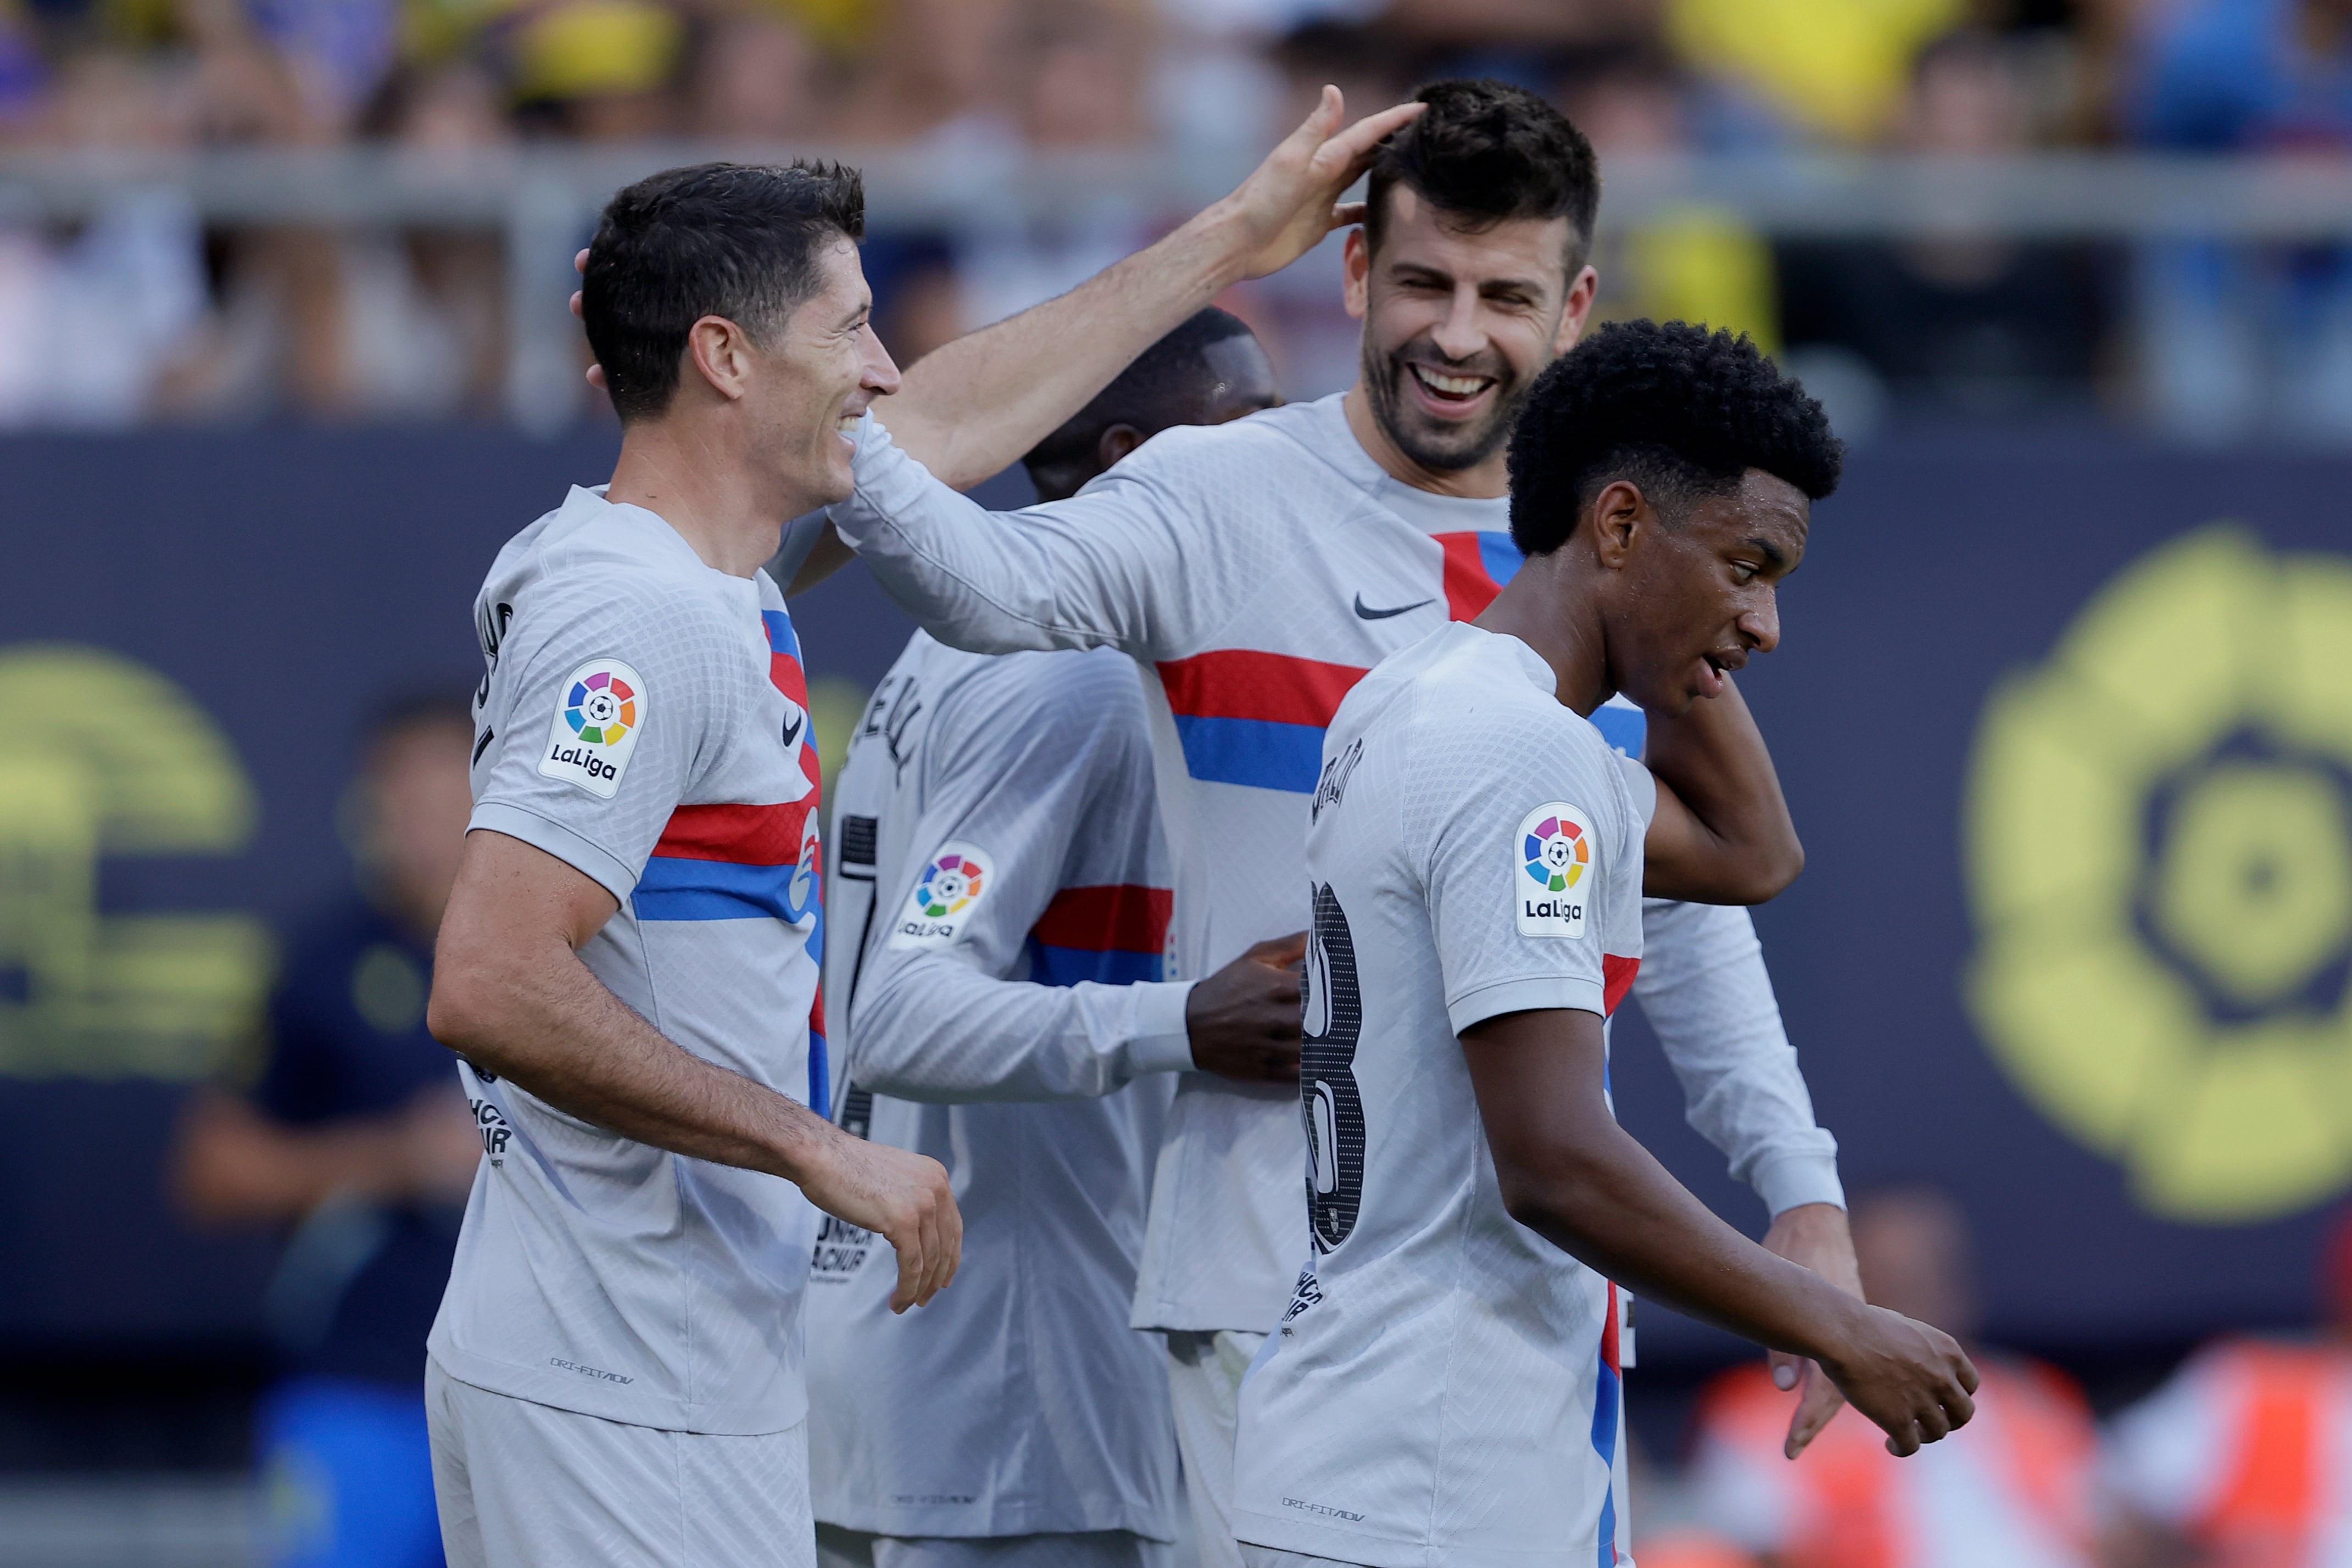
x=1369, y=613
x=793, y=728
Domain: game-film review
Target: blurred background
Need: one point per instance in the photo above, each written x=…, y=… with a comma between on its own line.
x=284, y=357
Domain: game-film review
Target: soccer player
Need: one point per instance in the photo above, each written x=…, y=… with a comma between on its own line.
x=628, y=963
x=1257, y=571
x=615, y=1372
x=998, y=894
x=1443, y=1383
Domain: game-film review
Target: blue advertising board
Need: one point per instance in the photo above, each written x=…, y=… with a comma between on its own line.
x=2059, y=717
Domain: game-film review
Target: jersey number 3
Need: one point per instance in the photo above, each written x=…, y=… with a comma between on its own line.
x=1333, y=1110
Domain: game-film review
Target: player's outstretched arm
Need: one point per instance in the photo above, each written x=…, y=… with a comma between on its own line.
x=971, y=408
x=1721, y=833
x=510, y=995
x=1569, y=1172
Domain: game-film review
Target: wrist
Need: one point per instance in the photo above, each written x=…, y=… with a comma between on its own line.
x=1228, y=242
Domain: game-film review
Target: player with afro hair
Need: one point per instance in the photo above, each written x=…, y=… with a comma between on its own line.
x=1679, y=411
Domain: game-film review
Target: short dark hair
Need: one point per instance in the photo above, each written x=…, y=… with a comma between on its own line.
x=737, y=240
x=1680, y=411
x=1485, y=151
x=1152, y=393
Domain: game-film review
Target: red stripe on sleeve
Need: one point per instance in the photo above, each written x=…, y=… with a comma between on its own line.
x=1125, y=919
x=1236, y=682
x=738, y=835
x=1469, y=588
x=1616, y=978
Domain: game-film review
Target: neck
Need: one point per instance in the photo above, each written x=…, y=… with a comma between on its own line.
x=1484, y=481
x=691, y=476
x=1549, y=606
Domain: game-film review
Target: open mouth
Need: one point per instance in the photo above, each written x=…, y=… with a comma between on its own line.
x=1451, y=394
x=1713, y=669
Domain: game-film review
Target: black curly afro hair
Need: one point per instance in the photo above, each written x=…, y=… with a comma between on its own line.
x=1680, y=411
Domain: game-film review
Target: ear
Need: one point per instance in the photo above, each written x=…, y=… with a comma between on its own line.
x=1580, y=295
x=1619, y=515
x=1356, y=272
x=720, y=352
x=1116, y=443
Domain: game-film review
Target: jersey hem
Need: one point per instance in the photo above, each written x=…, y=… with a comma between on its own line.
x=1255, y=1528
x=579, y=1395
x=598, y=865
x=995, y=1524
x=1532, y=994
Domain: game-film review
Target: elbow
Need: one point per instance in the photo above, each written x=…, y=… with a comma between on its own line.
x=1547, y=1194
x=1758, y=875
x=1771, y=872
x=464, y=1009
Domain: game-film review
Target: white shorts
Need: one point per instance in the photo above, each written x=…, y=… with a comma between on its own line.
x=529, y=1486
x=838, y=1548
x=1204, y=1385
x=1272, y=1557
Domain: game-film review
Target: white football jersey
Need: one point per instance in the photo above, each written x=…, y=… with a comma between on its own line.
x=645, y=719
x=1255, y=571
x=1443, y=1388
x=1000, y=906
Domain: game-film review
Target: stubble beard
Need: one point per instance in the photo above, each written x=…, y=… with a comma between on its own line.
x=1459, y=447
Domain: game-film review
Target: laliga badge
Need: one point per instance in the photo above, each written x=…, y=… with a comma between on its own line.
x=1552, y=860
x=599, y=711
x=945, y=895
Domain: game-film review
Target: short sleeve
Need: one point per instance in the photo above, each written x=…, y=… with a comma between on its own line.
x=620, y=699
x=1516, y=828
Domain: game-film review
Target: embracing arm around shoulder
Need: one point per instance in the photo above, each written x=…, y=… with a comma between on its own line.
x=512, y=996
x=1721, y=833
x=1570, y=1173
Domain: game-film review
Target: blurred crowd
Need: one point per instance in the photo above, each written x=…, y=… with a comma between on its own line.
x=145, y=311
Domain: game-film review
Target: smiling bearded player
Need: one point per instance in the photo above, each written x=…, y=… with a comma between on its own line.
x=1444, y=1385
x=1255, y=571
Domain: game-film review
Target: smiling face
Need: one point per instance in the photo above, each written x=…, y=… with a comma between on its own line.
x=1457, y=323
x=1692, y=599
x=813, y=378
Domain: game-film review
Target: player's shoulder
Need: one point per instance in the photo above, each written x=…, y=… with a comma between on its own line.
x=1275, y=453
x=589, y=567
x=1065, y=700
x=1471, y=687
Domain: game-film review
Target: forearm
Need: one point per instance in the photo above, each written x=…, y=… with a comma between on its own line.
x=974, y=406
x=1607, y=1202
x=988, y=582
x=1714, y=758
x=543, y=1022
x=1708, y=998
x=1010, y=1040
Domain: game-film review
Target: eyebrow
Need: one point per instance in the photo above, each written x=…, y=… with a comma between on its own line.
x=1773, y=554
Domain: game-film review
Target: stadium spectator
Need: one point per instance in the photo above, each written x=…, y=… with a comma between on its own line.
x=1691, y=262
x=356, y=1138
x=1954, y=323
x=1829, y=68
x=2235, y=338
x=2237, y=1462
x=2010, y=1492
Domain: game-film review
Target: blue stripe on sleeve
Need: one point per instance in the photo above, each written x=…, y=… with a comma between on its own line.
x=1068, y=966
x=712, y=890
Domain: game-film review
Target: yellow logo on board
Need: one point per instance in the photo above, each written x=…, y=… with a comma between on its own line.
x=2157, y=839
x=103, y=756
